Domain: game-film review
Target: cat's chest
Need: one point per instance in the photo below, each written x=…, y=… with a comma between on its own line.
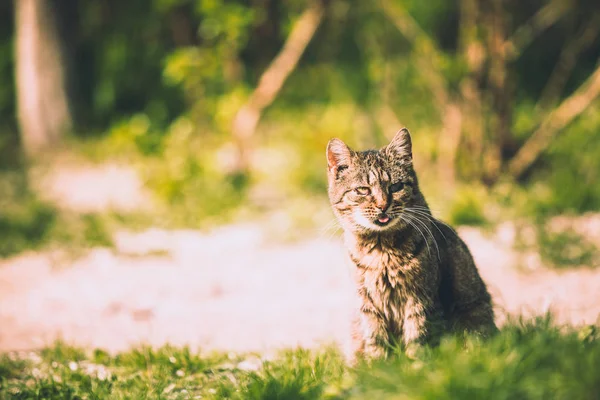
x=385, y=288
x=382, y=284
x=384, y=277
x=380, y=270
x=378, y=259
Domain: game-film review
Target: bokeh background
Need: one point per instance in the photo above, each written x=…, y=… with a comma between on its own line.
x=162, y=163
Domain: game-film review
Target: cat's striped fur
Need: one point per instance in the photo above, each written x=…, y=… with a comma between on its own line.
x=414, y=276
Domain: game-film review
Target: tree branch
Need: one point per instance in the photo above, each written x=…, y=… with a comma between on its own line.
x=271, y=81
x=526, y=33
x=428, y=55
x=566, y=62
x=569, y=109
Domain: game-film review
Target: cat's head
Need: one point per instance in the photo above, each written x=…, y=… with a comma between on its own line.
x=369, y=190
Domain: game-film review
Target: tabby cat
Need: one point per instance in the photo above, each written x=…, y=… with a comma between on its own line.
x=415, y=277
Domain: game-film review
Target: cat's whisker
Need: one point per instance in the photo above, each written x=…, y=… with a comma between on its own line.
x=331, y=224
x=433, y=219
x=332, y=233
x=425, y=209
x=419, y=230
x=329, y=230
x=426, y=228
x=430, y=218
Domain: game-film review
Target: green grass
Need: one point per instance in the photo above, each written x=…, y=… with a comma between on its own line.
x=467, y=207
x=27, y=222
x=559, y=247
x=527, y=360
x=566, y=249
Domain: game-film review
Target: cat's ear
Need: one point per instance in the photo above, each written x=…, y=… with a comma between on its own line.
x=401, y=144
x=339, y=155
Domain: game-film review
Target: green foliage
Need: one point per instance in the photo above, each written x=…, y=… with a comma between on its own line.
x=212, y=72
x=573, y=168
x=120, y=50
x=294, y=375
x=563, y=180
x=189, y=178
x=25, y=226
x=11, y=367
x=159, y=83
x=170, y=358
x=468, y=208
x=527, y=360
x=532, y=360
x=7, y=86
x=566, y=248
x=26, y=222
x=62, y=352
x=558, y=242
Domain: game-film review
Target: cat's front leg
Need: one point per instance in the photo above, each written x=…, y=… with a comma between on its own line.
x=420, y=324
x=370, y=339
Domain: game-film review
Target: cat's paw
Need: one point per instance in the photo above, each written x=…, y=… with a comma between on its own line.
x=375, y=353
x=412, y=350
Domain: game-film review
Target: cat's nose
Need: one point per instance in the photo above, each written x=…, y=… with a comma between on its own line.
x=381, y=200
x=382, y=206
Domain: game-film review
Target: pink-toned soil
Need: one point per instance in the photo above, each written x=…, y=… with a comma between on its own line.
x=233, y=290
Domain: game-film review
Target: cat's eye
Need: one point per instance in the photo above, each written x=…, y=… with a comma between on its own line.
x=396, y=187
x=362, y=190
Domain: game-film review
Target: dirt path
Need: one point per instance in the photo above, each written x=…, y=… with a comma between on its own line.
x=231, y=290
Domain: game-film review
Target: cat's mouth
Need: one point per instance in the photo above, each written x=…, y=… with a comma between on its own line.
x=383, y=220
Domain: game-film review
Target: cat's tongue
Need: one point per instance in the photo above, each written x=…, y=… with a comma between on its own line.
x=383, y=220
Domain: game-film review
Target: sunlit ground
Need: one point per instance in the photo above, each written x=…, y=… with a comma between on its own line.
x=235, y=287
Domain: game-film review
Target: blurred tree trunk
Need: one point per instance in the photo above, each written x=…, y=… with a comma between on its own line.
x=470, y=97
x=43, y=111
x=271, y=82
x=499, y=93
